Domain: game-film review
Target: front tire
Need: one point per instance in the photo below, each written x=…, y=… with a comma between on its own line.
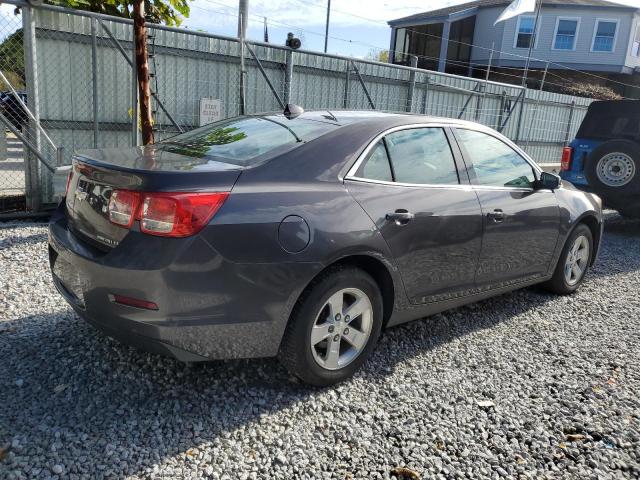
x=573, y=263
x=333, y=328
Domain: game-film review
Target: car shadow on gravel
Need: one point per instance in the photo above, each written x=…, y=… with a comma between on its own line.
x=90, y=398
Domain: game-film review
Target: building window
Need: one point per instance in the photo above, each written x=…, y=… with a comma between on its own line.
x=604, y=37
x=566, y=33
x=524, y=32
x=635, y=49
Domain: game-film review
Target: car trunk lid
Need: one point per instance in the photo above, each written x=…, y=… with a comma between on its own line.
x=97, y=173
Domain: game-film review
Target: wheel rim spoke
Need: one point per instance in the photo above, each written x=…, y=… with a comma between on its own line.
x=320, y=333
x=576, y=271
x=333, y=355
x=336, y=302
x=356, y=338
x=357, y=309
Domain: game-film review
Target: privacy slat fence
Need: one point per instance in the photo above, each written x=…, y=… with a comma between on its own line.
x=188, y=66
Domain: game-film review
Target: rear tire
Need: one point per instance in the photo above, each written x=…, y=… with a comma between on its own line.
x=323, y=344
x=613, y=168
x=573, y=263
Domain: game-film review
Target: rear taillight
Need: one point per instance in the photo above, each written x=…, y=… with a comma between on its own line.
x=123, y=206
x=165, y=214
x=565, y=161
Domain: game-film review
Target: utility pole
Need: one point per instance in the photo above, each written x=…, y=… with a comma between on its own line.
x=243, y=17
x=326, y=28
x=142, y=64
x=534, y=39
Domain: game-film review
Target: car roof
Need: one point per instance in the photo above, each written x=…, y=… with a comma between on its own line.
x=347, y=117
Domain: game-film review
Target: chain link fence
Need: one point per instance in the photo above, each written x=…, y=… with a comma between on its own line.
x=71, y=72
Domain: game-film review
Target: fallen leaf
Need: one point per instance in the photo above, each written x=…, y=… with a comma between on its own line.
x=486, y=404
x=575, y=437
x=404, y=472
x=191, y=452
x=520, y=460
x=612, y=381
x=562, y=446
x=4, y=450
x=440, y=445
x=596, y=389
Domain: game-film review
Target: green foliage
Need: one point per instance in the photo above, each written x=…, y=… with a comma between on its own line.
x=378, y=55
x=169, y=12
x=15, y=80
x=12, y=58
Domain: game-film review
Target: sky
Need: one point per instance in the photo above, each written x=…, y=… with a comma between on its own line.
x=357, y=27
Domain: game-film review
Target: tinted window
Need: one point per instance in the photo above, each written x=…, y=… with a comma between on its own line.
x=422, y=155
x=376, y=166
x=494, y=162
x=241, y=141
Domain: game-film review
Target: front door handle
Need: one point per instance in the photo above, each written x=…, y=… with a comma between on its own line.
x=400, y=217
x=497, y=215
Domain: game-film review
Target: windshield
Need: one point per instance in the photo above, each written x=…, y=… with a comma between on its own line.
x=244, y=140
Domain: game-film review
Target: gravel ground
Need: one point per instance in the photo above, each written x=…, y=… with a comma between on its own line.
x=526, y=385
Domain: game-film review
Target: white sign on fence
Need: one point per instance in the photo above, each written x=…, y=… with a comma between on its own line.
x=209, y=110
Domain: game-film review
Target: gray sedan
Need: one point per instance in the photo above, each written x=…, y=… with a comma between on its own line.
x=303, y=235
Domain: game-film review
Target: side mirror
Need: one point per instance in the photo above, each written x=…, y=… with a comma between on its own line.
x=549, y=181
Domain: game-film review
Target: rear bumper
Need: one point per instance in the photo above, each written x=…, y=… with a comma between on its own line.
x=208, y=308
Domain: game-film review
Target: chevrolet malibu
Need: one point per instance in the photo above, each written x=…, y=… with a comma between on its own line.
x=303, y=235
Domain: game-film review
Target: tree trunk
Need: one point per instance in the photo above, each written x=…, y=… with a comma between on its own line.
x=142, y=62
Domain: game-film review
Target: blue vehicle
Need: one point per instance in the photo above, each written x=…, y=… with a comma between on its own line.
x=604, y=158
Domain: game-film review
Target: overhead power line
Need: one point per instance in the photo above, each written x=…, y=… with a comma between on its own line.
x=451, y=62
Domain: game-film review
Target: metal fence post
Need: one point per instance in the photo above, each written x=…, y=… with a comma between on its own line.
x=567, y=135
x=94, y=79
x=33, y=187
x=288, y=75
x=425, y=99
x=347, y=87
x=503, y=103
x=520, y=115
x=412, y=83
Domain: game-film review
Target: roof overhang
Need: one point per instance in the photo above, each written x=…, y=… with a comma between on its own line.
x=451, y=17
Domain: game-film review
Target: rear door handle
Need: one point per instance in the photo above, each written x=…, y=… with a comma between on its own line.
x=400, y=216
x=497, y=215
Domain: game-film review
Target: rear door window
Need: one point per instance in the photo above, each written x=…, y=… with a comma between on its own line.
x=422, y=156
x=494, y=162
x=376, y=166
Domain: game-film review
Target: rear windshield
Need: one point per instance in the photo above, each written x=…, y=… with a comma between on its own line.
x=611, y=120
x=245, y=140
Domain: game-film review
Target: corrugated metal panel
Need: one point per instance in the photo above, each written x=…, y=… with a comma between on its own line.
x=189, y=67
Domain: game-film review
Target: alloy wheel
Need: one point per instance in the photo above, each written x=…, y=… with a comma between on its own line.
x=577, y=260
x=342, y=328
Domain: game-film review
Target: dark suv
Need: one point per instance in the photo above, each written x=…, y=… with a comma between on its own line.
x=604, y=158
